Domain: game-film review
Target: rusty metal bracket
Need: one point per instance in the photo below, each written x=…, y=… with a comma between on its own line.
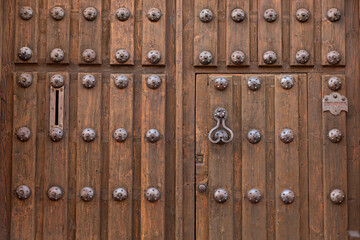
x=335, y=103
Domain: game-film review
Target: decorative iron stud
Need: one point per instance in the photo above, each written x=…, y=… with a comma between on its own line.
x=123, y=14
x=121, y=81
x=206, y=15
x=221, y=83
x=23, y=134
x=334, y=83
x=221, y=195
x=153, y=81
x=302, y=15
x=88, y=81
x=238, y=15
x=152, y=136
x=202, y=188
x=287, y=82
x=26, y=13
x=87, y=194
x=120, y=194
x=57, y=55
x=254, y=195
x=238, y=57
x=154, y=56
x=57, y=81
x=337, y=196
x=152, y=194
x=56, y=134
x=89, y=55
x=333, y=57
x=254, y=83
x=57, y=13
x=270, y=15
x=88, y=135
x=90, y=13
x=154, y=14
x=254, y=136
x=23, y=192
x=287, y=135
x=302, y=56
x=120, y=135
x=333, y=15
x=287, y=196
x=25, y=80
x=25, y=53
x=205, y=57
x=335, y=135
x=55, y=193
x=269, y=57
x=122, y=56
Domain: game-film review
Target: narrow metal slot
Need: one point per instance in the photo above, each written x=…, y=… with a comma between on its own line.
x=57, y=107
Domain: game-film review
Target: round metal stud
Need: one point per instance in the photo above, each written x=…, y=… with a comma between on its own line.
x=254, y=136
x=334, y=83
x=57, y=13
x=120, y=135
x=120, y=194
x=202, y=188
x=287, y=82
x=57, y=81
x=87, y=194
x=55, y=193
x=221, y=195
x=88, y=135
x=269, y=57
x=335, y=135
x=89, y=81
x=221, y=83
x=205, y=57
x=90, y=13
x=333, y=15
x=23, y=192
x=154, y=14
x=302, y=15
x=337, y=196
x=25, y=53
x=121, y=81
x=238, y=57
x=57, y=55
x=287, y=135
x=23, y=134
x=154, y=56
x=56, y=134
x=254, y=83
x=333, y=57
x=238, y=15
x=152, y=195
x=123, y=14
x=287, y=196
x=153, y=82
x=26, y=13
x=302, y=56
x=25, y=80
x=254, y=195
x=270, y=15
x=221, y=134
x=206, y=15
x=122, y=56
x=152, y=136
x=89, y=55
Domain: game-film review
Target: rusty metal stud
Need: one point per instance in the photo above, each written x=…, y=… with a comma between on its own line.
x=269, y=57
x=205, y=57
x=121, y=81
x=254, y=136
x=221, y=83
x=221, y=134
x=87, y=194
x=152, y=194
x=57, y=81
x=123, y=14
x=89, y=81
x=334, y=83
x=25, y=80
x=122, y=56
x=302, y=56
x=220, y=195
x=23, y=134
x=254, y=83
x=337, y=196
x=287, y=82
x=302, y=15
x=238, y=57
x=88, y=135
x=254, y=195
x=333, y=15
x=153, y=81
x=287, y=135
x=154, y=14
x=57, y=55
x=202, y=188
x=55, y=193
x=206, y=15
x=89, y=55
x=120, y=194
x=57, y=13
x=335, y=135
x=26, y=13
x=25, y=53
x=287, y=196
x=238, y=15
x=90, y=13
x=23, y=192
x=333, y=57
x=120, y=135
x=270, y=15
x=152, y=136
x=56, y=134
x=154, y=56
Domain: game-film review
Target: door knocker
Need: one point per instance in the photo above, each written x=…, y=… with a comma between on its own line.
x=223, y=134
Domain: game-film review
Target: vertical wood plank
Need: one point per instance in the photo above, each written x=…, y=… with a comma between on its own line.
x=287, y=159
x=269, y=33
x=120, y=160
x=27, y=31
x=23, y=160
x=238, y=33
x=154, y=33
x=122, y=32
x=88, y=163
x=153, y=160
x=301, y=33
x=90, y=32
x=335, y=169
x=205, y=34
